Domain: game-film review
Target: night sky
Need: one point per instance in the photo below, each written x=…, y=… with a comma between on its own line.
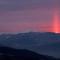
x=29, y=15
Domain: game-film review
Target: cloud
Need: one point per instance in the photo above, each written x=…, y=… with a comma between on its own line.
x=26, y=11
x=27, y=4
x=15, y=4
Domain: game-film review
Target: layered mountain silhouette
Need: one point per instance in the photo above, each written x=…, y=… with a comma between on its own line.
x=7, y=53
x=45, y=43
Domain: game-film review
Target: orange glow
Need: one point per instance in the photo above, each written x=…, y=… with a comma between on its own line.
x=55, y=23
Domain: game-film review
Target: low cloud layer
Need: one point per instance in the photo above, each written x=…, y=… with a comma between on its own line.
x=26, y=12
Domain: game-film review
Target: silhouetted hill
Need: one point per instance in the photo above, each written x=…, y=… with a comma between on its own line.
x=21, y=54
x=46, y=43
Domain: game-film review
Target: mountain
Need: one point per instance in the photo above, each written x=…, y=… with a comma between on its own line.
x=7, y=53
x=46, y=43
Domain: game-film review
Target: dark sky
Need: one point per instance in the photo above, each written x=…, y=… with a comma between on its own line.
x=26, y=15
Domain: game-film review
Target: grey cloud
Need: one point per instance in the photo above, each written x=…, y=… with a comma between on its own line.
x=27, y=4
x=15, y=4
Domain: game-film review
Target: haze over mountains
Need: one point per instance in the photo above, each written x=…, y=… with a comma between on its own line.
x=46, y=43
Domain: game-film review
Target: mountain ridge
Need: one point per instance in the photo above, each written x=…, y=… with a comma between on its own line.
x=22, y=54
x=44, y=43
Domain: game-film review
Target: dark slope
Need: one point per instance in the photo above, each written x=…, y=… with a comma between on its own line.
x=8, y=53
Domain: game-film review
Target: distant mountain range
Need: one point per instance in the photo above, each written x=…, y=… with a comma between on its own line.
x=7, y=53
x=46, y=43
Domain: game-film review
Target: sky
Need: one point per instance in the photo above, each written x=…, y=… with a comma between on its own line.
x=29, y=15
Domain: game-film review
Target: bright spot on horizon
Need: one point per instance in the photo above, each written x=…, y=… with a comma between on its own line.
x=56, y=23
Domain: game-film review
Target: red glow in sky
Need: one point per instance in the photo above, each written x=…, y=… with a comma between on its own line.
x=55, y=22
x=36, y=15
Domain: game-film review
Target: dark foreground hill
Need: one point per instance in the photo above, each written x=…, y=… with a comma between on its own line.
x=7, y=53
